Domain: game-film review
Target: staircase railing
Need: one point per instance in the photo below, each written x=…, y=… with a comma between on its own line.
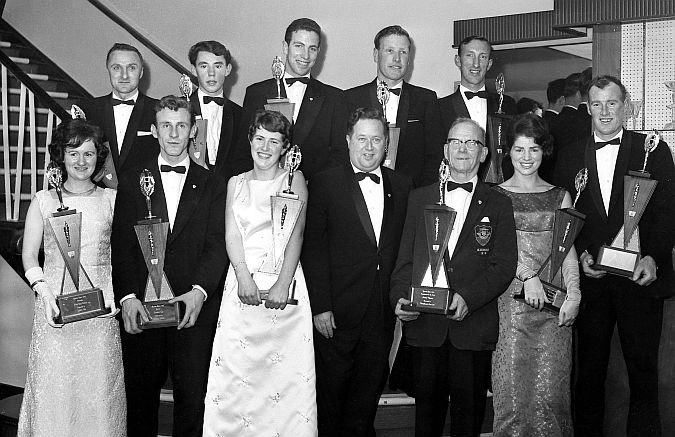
x=13, y=171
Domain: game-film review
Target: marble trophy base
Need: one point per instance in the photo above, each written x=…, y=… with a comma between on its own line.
x=162, y=314
x=617, y=261
x=434, y=300
x=82, y=305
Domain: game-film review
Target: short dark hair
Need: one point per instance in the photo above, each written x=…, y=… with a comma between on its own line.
x=586, y=77
x=367, y=114
x=123, y=47
x=526, y=105
x=470, y=38
x=174, y=103
x=302, y=24
x=467, y=120
x=211, y=46
x=271, y=121
x=555, y=90
x=602, y=81
x=72, y=133
x=572, y=84
x=390, y=30
x=530, y=126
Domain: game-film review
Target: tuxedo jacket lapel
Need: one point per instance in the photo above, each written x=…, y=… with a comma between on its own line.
x=403, y=108
x=387, y=213
x=226, y=129
x=475, y=209
x=360, y=204
x=492, y=103
x=459, y=106
x=132, y=128
x=111, y=131
x=593, y=184
x=194, y=103
x=620, y=169
x=309, y=110
x=193, y=188
x=374, y=103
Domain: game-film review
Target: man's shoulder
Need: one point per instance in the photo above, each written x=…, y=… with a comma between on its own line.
x=447, y=100
x=358, y=90
x=260, y=87
x=326, y=178
x=398, y=179
x=420, y=92
x=326, y=89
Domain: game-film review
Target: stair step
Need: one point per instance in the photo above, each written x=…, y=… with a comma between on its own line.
x=17, y=60
x=25, y=172
x=26, y=149
x=43, y=111
x=13, y=128
x=5, y=44
x=53, y=94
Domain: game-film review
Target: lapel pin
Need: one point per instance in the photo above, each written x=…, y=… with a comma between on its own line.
x=311, y=99
x=194, y=186
x=480, y=202
x=388, y=194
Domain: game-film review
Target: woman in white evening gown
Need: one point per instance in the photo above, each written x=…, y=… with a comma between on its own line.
x=261, y=376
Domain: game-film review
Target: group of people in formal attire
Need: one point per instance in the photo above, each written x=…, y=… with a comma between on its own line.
x=304, y=351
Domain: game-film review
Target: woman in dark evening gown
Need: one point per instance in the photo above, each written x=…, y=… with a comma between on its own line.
x=533, y=359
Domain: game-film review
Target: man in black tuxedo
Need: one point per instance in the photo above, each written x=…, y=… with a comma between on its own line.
x=211, y=62
x=571, y=125
x=126, y=114
x=411, y=108
x=320, y=113
x=354, y=219
x=472, y=100
x=555, y=94
x=631, y=303
x=192, y=200
x=451, y=354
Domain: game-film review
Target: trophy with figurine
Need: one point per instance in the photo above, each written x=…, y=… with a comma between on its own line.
x=279, y=103
x=497, y=126
x=394, y=131
x=197, y=147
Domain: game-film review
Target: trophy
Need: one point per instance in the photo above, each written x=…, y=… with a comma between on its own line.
x=497, y=125
x=621, y=258
x=279, y=103
x=394, y=132
x=66, y=225
x=286, y=207
x=438, y=222
x=151, y=234
x=568, y=224
x=197, y=148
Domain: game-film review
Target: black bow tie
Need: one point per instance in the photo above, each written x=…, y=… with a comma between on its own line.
x=362, y=175
x=167, y=168
x=291, y=80
x=220, y=101
x=468, y=186
x=601, y=144
x=480, y=94
x=116, y=102
x=396, y=91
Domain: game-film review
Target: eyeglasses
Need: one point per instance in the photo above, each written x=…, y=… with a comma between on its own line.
x=469, y=144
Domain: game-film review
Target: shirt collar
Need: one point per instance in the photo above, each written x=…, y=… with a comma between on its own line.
x=287, y=75
x=551, y=110
x=201, y=95
x=598, y=139
x=133, y=97
x=463, y=89
x=185, y=162
x=377, y=171
x=473, y=180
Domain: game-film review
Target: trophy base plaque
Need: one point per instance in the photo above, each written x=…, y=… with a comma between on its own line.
x=284, y=106
x=617, y=261
x=392, y=147
x=434, y=300
x=162, y=314
x=81, y=305
x=553, y=293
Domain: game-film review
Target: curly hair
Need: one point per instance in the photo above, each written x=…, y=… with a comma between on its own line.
x=72, y=134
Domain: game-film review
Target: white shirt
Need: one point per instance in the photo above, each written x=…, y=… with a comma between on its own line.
x=605, y=159
x=295, y=94
x=212, y=112
x=392, y=103
x=477, y=107
x=122, y=115
x=172, y=183
x=374, y=196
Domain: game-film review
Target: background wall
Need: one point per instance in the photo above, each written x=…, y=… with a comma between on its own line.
x=77, y=36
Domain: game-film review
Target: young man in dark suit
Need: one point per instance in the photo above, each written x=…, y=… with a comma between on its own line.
x=571, y=124
x=411, y=108
x=320, y=113
x=451, y=354
x=354, y=219
x=472, y=100
x=634, y=303
x=211, y=62
x=192, y=200
x=126, y=114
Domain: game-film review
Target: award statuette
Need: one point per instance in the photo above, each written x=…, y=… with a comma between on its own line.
x=66, y=225
x=394, y=132
x=197, y=147
x=438, y=222
x=622, y=257
x=151, y=234
x=497, y=125
x=278, y=103
x=567, y=226
x=286, y=207
x=107, y=174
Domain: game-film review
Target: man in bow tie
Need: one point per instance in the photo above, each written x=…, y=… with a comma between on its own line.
x=451, y=354
x=634, y=304
x=354, y=221
x=472, y=100
x=411, y=108
x=192, y=200
x=126, y=114
x=320, y=113
x=211, y=62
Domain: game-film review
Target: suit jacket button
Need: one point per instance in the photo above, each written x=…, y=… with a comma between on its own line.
x=451, y=269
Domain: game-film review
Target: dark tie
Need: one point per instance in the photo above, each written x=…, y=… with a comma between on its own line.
x=291, y=80
x=468, y=186
x=116, y=102
x=362, y=175
x=601, y=144
x=220, y=101
x=167, y=168
x=480, y=94
x=396, y=91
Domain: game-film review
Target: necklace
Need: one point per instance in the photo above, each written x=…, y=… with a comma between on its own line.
x=83, y=193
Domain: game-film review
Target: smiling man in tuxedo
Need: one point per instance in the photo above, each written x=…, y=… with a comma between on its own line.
x=192, y=200
x=126, y=114
x=211, y=62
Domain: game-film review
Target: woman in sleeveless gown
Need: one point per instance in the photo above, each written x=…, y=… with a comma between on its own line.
x=532, y=363
x=75, y=381
x=261, y=376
